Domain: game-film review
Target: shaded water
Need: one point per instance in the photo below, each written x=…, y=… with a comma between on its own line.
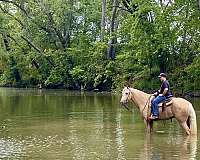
x=58, y=124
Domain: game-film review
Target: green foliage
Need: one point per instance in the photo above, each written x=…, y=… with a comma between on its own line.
x=193, y=75
x=78, y=74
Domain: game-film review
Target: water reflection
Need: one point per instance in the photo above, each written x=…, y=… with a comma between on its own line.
x=190, y=145
x=120, y=138
x=179, y=147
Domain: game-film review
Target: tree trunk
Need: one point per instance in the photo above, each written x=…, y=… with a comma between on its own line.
x=13, y=64
x=113, y=27
x=103, y=19
x=14, y=69
x=161, y=3
x=198, y=3
x=6, y=41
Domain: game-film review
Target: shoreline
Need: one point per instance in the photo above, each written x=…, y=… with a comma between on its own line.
x=175, y=93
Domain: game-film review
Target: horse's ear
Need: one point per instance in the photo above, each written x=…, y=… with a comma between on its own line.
x=127, y=84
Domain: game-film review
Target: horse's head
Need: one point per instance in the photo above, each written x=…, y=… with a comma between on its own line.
x=126, y=95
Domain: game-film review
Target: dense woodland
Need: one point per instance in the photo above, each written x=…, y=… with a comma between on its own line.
x=100, y=44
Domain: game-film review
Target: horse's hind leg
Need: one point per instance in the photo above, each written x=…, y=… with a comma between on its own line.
x=185, y=127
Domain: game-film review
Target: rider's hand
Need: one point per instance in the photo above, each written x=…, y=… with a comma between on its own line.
x=155, y=94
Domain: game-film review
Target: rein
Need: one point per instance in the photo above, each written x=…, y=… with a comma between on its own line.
x=148, y=100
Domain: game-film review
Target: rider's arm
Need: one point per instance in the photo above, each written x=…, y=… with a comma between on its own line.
x=164, y=92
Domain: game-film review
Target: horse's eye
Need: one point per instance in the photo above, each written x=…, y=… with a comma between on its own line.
x=126, y=93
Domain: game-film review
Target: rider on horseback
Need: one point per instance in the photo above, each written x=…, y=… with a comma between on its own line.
x=162, y=94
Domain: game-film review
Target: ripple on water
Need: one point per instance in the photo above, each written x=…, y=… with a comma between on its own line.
x=11, y=148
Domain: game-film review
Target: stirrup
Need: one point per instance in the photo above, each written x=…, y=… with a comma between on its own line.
x=153, y=117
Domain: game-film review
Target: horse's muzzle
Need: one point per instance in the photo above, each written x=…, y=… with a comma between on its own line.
x=125, y=105
x=123, y=102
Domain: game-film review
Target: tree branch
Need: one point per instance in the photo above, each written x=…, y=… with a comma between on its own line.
x=15, y=18
x=131, y=8
x=31, y=44
x=15, y=4
x=37, y=49
x=122, y=8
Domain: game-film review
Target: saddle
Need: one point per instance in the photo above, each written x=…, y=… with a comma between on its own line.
x=165, y=103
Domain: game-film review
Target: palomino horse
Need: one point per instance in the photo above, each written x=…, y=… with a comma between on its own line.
x=180, y=108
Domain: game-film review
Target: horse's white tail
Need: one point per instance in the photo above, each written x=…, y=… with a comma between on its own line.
x=192, y=120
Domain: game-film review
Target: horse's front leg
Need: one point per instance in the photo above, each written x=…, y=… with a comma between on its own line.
x=149, y=124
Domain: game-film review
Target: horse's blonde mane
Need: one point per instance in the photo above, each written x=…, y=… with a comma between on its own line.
x=133, y=90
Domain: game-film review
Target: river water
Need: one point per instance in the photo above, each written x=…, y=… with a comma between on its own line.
x=59, y=124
